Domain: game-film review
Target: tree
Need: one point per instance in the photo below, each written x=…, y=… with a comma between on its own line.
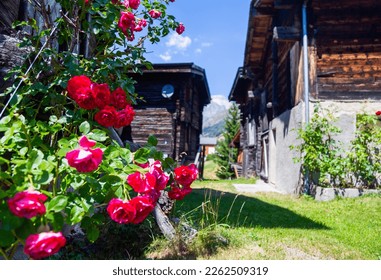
x=226, y=155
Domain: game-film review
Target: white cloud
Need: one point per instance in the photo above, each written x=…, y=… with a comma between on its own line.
x=178, y=41
x=198, y=50
x=166, y=56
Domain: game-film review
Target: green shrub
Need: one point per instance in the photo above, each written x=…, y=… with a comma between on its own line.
x=326, y=163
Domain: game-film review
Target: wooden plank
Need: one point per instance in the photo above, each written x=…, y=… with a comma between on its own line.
x=284, y=4
x=286, y=34
x=351, y=56
x=349, y=95
x=344, y=4
x=9, y=12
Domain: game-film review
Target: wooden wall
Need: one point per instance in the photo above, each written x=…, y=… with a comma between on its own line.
x=350, y=76
x=347, y=37
x=158, y=122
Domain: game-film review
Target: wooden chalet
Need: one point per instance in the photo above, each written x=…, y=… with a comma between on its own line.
x=173, y=98
x=341, y=67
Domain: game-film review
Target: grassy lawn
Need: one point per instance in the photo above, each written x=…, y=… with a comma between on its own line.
x=273, y=226
x=235, y=226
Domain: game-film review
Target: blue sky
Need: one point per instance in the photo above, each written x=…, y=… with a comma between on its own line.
x=214, y=39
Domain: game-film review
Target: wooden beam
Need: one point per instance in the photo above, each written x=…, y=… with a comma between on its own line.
x=9, y=10
x=286, y=34
x=275, y=74
x=284, y=4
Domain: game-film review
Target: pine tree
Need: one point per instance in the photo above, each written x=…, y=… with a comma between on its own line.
x=226, y=155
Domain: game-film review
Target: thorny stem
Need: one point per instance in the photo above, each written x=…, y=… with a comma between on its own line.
x=27, y=137
x=5, y=256
x=57, y=179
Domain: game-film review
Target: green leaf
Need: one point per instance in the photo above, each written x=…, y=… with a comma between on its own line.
x=141, y=155
x=76, y=214
x=84, y=127
x=8, y=220
x=6, y=238
x=126, y=155
x=92, y=233
x=98, y=135
x=90, y=228
x=23, y=151
x=44, y=178
x=111, y=180
x=5, y=120
x=152, y=141
x=119, y=192
x=56, y=220
x=57, y=204
x=35, y=159
x=25, y=229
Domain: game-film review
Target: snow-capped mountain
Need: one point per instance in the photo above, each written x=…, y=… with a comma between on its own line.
x=214, y=116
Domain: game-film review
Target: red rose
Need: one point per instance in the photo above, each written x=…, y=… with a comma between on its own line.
x=85, y=99
x=107, y=116
x=121, y=211
x=154, y=13
x=85, y=159
x=101, y=93
x=118, y=98
x=180, y=28
x=76, y=83
x=124, y=117
x=141, y=183
x=27, y=204
x=44, y=244
x=378, y=113
x=161, y=178
x=140, y=25
x=153, y=195
x=143, y=165
x=177, y=193
x=185, y=175
x=133, y=4
x=127, y=24
x=143, y=206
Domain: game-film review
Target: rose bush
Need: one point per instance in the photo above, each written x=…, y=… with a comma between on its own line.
x=59, y=163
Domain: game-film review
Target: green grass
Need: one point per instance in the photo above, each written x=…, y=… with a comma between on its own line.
x=210, y=168
x=274, y=226
x=234, y=226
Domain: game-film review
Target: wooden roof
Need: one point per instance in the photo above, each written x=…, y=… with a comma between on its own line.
x=335, y=27
x=177, y=69
x=258, y=34
x=339, y=26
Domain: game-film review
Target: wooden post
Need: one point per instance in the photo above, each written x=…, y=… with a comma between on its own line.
x=275, y=100
x=202, y=162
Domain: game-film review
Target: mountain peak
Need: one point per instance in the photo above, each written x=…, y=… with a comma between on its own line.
x=214, y=116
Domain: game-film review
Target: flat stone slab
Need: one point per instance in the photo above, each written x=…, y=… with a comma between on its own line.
x=259, y=186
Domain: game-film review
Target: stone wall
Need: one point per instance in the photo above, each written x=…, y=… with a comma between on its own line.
x=283, y=171
x=327, y=194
